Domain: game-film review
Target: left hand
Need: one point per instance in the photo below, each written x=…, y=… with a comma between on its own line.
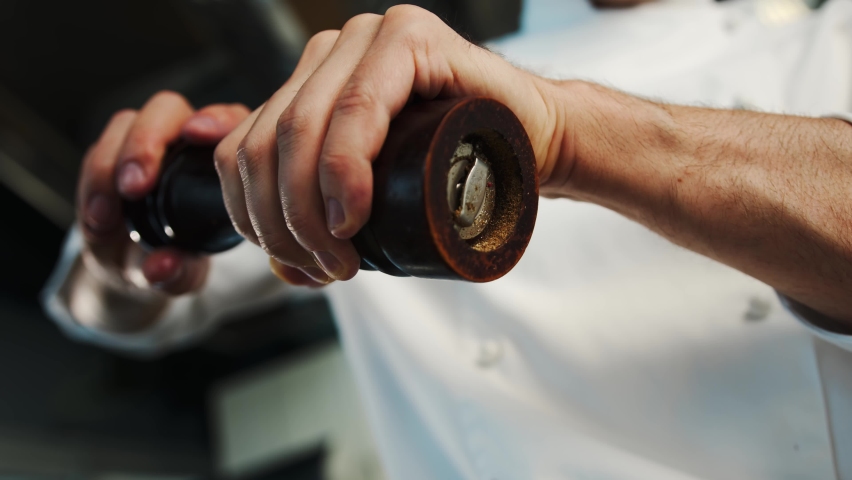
x=125, y=163
x=297, y=174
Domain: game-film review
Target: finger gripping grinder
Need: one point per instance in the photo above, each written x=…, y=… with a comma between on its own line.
x=455, y=196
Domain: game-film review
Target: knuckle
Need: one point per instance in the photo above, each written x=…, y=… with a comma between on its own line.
x=353, y=174
x=412, y=24
x=274, y=244
x=355, y=98
x=293, y=121
x=250, y=155
x=404, y=12
x=293, y=124
x=407, y=15
x=360, y=22
x=280, y=246
x=417, y=34
x=169, y=96
x=335, y=165
x=321, y=42
x=301, y=226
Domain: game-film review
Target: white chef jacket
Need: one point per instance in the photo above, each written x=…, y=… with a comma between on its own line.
x=608, y=352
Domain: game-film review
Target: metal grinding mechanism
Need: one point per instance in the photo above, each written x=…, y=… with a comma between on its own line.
x=455, y=196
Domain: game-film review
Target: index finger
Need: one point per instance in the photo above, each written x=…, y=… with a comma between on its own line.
x=158, y=124
x=98, y=204
x=412, y=54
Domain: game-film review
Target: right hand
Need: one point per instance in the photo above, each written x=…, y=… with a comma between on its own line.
x=297, y=174
x=125, y=162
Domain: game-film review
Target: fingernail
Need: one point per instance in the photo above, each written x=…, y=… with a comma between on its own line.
x=100, y=213
x=316, y=274
x=203, y=124
x=329, y=263
x=131, y=178
x=334, y=214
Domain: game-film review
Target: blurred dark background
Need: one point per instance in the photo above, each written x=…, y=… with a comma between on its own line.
x=76, y=411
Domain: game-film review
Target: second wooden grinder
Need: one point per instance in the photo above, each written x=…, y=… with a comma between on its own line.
x=455, y=196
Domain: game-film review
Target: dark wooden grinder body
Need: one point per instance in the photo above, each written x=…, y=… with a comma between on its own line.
x=411, y=228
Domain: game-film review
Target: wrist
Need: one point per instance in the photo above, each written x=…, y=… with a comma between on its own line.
x=100, y=298
x=616, y=150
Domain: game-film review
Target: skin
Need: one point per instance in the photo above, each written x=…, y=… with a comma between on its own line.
x=765, y=194
x=762, y=193
x=124, y=162
x=298, y=180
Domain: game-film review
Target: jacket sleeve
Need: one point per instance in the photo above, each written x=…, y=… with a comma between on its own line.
x=239, y=283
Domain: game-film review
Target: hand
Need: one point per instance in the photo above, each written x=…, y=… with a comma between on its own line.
x=297, y=173
x=125, y=162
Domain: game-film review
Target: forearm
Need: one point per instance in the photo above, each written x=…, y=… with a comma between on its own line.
x=766, y=194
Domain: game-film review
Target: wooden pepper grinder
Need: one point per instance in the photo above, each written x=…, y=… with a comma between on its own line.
x=455, y=196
